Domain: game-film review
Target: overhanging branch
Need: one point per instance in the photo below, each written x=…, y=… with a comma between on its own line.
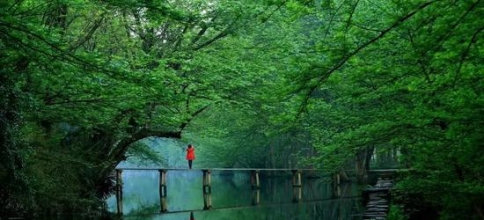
x=122, y=146
x=344, y=59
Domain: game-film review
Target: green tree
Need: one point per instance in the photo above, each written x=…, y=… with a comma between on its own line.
x=408, y=81
x=86, y=80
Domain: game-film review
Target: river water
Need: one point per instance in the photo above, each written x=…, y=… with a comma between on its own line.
x=232, y=197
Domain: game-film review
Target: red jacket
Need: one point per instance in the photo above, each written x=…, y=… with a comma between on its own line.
x=190, y=153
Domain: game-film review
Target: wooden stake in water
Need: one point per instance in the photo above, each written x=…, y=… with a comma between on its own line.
x=119, y=191
x=207, y=181
x=254, y=179
x=162, y=190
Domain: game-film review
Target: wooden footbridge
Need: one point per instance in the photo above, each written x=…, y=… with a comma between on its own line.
x=297, y=182
x=377, y=197
x=207, y=183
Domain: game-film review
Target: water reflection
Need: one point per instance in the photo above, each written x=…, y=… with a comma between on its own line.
x=232, y=197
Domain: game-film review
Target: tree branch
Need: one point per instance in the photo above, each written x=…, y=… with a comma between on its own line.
x=344, y=59
x=464, y=55
x=122, y=146
x=220, y=35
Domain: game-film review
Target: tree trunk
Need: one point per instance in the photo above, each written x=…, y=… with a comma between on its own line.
x=11, y=160
x=362, y=163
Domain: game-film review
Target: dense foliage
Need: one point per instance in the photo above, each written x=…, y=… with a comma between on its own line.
x=258, y=83
x=411, y=80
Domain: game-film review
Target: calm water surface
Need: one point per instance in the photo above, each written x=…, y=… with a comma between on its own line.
x=232, y=197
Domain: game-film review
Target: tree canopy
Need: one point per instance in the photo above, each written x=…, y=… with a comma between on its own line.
x=273, y=83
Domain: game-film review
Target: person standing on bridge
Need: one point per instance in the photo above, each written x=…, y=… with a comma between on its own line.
x=190, y=155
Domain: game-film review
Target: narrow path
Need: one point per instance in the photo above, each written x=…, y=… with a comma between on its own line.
x=377, y=200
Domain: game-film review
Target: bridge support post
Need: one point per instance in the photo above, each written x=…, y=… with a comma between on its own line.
x=296, y=186
x=336, y=179
x=296, y=178
x=207, y=201
x=254, y=179
x=207, y=181
x=119, y=191
x=255, y=186
x=296, y=194
x=162, y=190
x=256, y=197
x=336, y=183
x=207, y=189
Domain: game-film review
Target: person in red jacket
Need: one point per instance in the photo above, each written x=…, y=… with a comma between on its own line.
x=190, y=155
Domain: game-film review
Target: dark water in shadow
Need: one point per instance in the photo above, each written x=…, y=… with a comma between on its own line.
x=232, y=197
